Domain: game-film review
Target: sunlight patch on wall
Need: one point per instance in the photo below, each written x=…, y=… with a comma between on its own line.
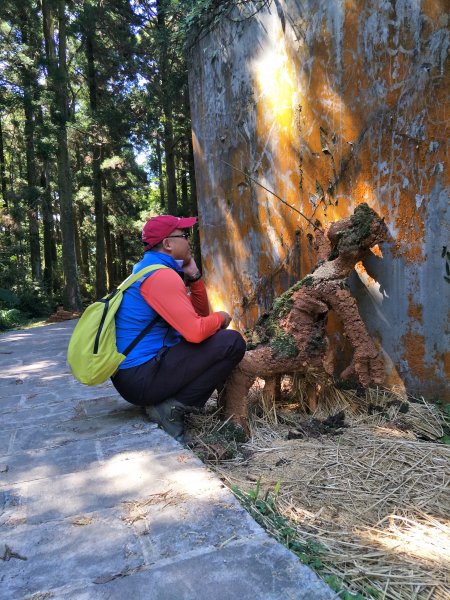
x=276, y=84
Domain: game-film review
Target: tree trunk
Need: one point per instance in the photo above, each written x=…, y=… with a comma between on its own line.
x=32, y=194
x=84, y=245
x=162, y=193
x=185, y=203
x=100, y=273
x=3, y=169
x=122, y=256
x=109, y=245
x=47, y=218
x=169, y=149
x=76, y=235
x=4, y=193
x=57, y=71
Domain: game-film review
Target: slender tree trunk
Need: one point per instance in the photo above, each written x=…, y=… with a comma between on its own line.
x=185, y=200
x=170, y=161
x=100, y=273
x=190, y=156
x=46, y=204
x=84, y=263
x=162, y=193
x=109, y=245
x=33, y=195
x=76, y=234
x=117, y=266
x=57, y=70
x=3, y=182
x=169, y=146
x=192, y=182
x=122, y=256
x=47, y=218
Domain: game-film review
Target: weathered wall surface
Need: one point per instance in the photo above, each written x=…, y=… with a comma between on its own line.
x=330, y=103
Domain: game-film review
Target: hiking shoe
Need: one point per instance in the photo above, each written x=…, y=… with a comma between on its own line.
x=169, y=415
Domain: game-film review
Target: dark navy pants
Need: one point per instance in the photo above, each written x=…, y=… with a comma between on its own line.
x=187, y=372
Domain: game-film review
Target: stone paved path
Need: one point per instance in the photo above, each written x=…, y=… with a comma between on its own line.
x=96, y=502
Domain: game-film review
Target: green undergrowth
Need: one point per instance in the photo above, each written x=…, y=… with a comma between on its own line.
x=11, y=319
x=19, y=310
x=15, y=322
x=445, y=411
x=263, y=508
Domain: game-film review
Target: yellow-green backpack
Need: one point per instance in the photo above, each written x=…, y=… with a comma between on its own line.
x=92, y=353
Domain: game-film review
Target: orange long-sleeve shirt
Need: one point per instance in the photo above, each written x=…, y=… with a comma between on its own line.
x=190, y=314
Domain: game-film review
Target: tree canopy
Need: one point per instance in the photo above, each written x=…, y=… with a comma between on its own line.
x=95, y=136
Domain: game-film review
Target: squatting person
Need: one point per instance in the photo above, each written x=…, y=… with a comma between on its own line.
x=189, y=352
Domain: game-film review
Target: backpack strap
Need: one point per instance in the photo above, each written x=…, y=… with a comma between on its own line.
x=143, y=333
x=124, y=286
x=136, y=276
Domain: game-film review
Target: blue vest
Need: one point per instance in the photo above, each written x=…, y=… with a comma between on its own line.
x=134, y=314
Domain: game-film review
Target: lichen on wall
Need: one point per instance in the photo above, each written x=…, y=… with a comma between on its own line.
x=330, y=104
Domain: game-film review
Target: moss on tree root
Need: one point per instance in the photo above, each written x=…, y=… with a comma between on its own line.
x=267, y=329
x=359, y=230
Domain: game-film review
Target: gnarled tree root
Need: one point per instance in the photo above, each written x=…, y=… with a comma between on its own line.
x=293, y=332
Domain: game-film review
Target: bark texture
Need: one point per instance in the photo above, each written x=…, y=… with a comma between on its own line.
x=291, y=337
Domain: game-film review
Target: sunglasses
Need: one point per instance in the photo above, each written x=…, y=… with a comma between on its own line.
x=185, y=235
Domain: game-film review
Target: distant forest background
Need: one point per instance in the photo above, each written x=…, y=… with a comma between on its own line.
x=95, y=135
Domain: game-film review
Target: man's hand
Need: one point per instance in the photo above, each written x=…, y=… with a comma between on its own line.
x=190, y=268
x=227, y=319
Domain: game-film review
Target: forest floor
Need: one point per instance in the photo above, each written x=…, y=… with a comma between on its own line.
x=359, y=490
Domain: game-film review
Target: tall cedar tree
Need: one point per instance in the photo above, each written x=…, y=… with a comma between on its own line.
x=54, y=11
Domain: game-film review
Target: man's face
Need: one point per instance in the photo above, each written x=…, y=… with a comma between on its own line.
x=179, y=245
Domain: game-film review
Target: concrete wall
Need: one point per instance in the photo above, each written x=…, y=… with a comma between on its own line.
x=330, y=103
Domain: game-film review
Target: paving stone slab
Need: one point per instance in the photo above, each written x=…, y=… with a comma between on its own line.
x=62, y=433
x=102, y=504
x=115, y=481
x=244, y=570
x=52, y=412
x=139, y=535
x=80, y=454
x=89, y=548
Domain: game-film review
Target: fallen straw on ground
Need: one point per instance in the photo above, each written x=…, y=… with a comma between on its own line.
x=370, y=497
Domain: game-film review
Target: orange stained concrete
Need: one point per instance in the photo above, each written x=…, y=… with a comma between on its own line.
x=414, y=354
x=334, y=122
x=415, y=311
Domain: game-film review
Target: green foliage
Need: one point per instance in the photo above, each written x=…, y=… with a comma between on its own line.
x=17, y=308
x=8, y=299
x=11, y=318
x=127, y=93
x=444, y=407
x=201, y=16
x=336, y=584
x=33, y=302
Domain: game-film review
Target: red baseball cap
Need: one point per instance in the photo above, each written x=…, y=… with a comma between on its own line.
x=158, y=228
